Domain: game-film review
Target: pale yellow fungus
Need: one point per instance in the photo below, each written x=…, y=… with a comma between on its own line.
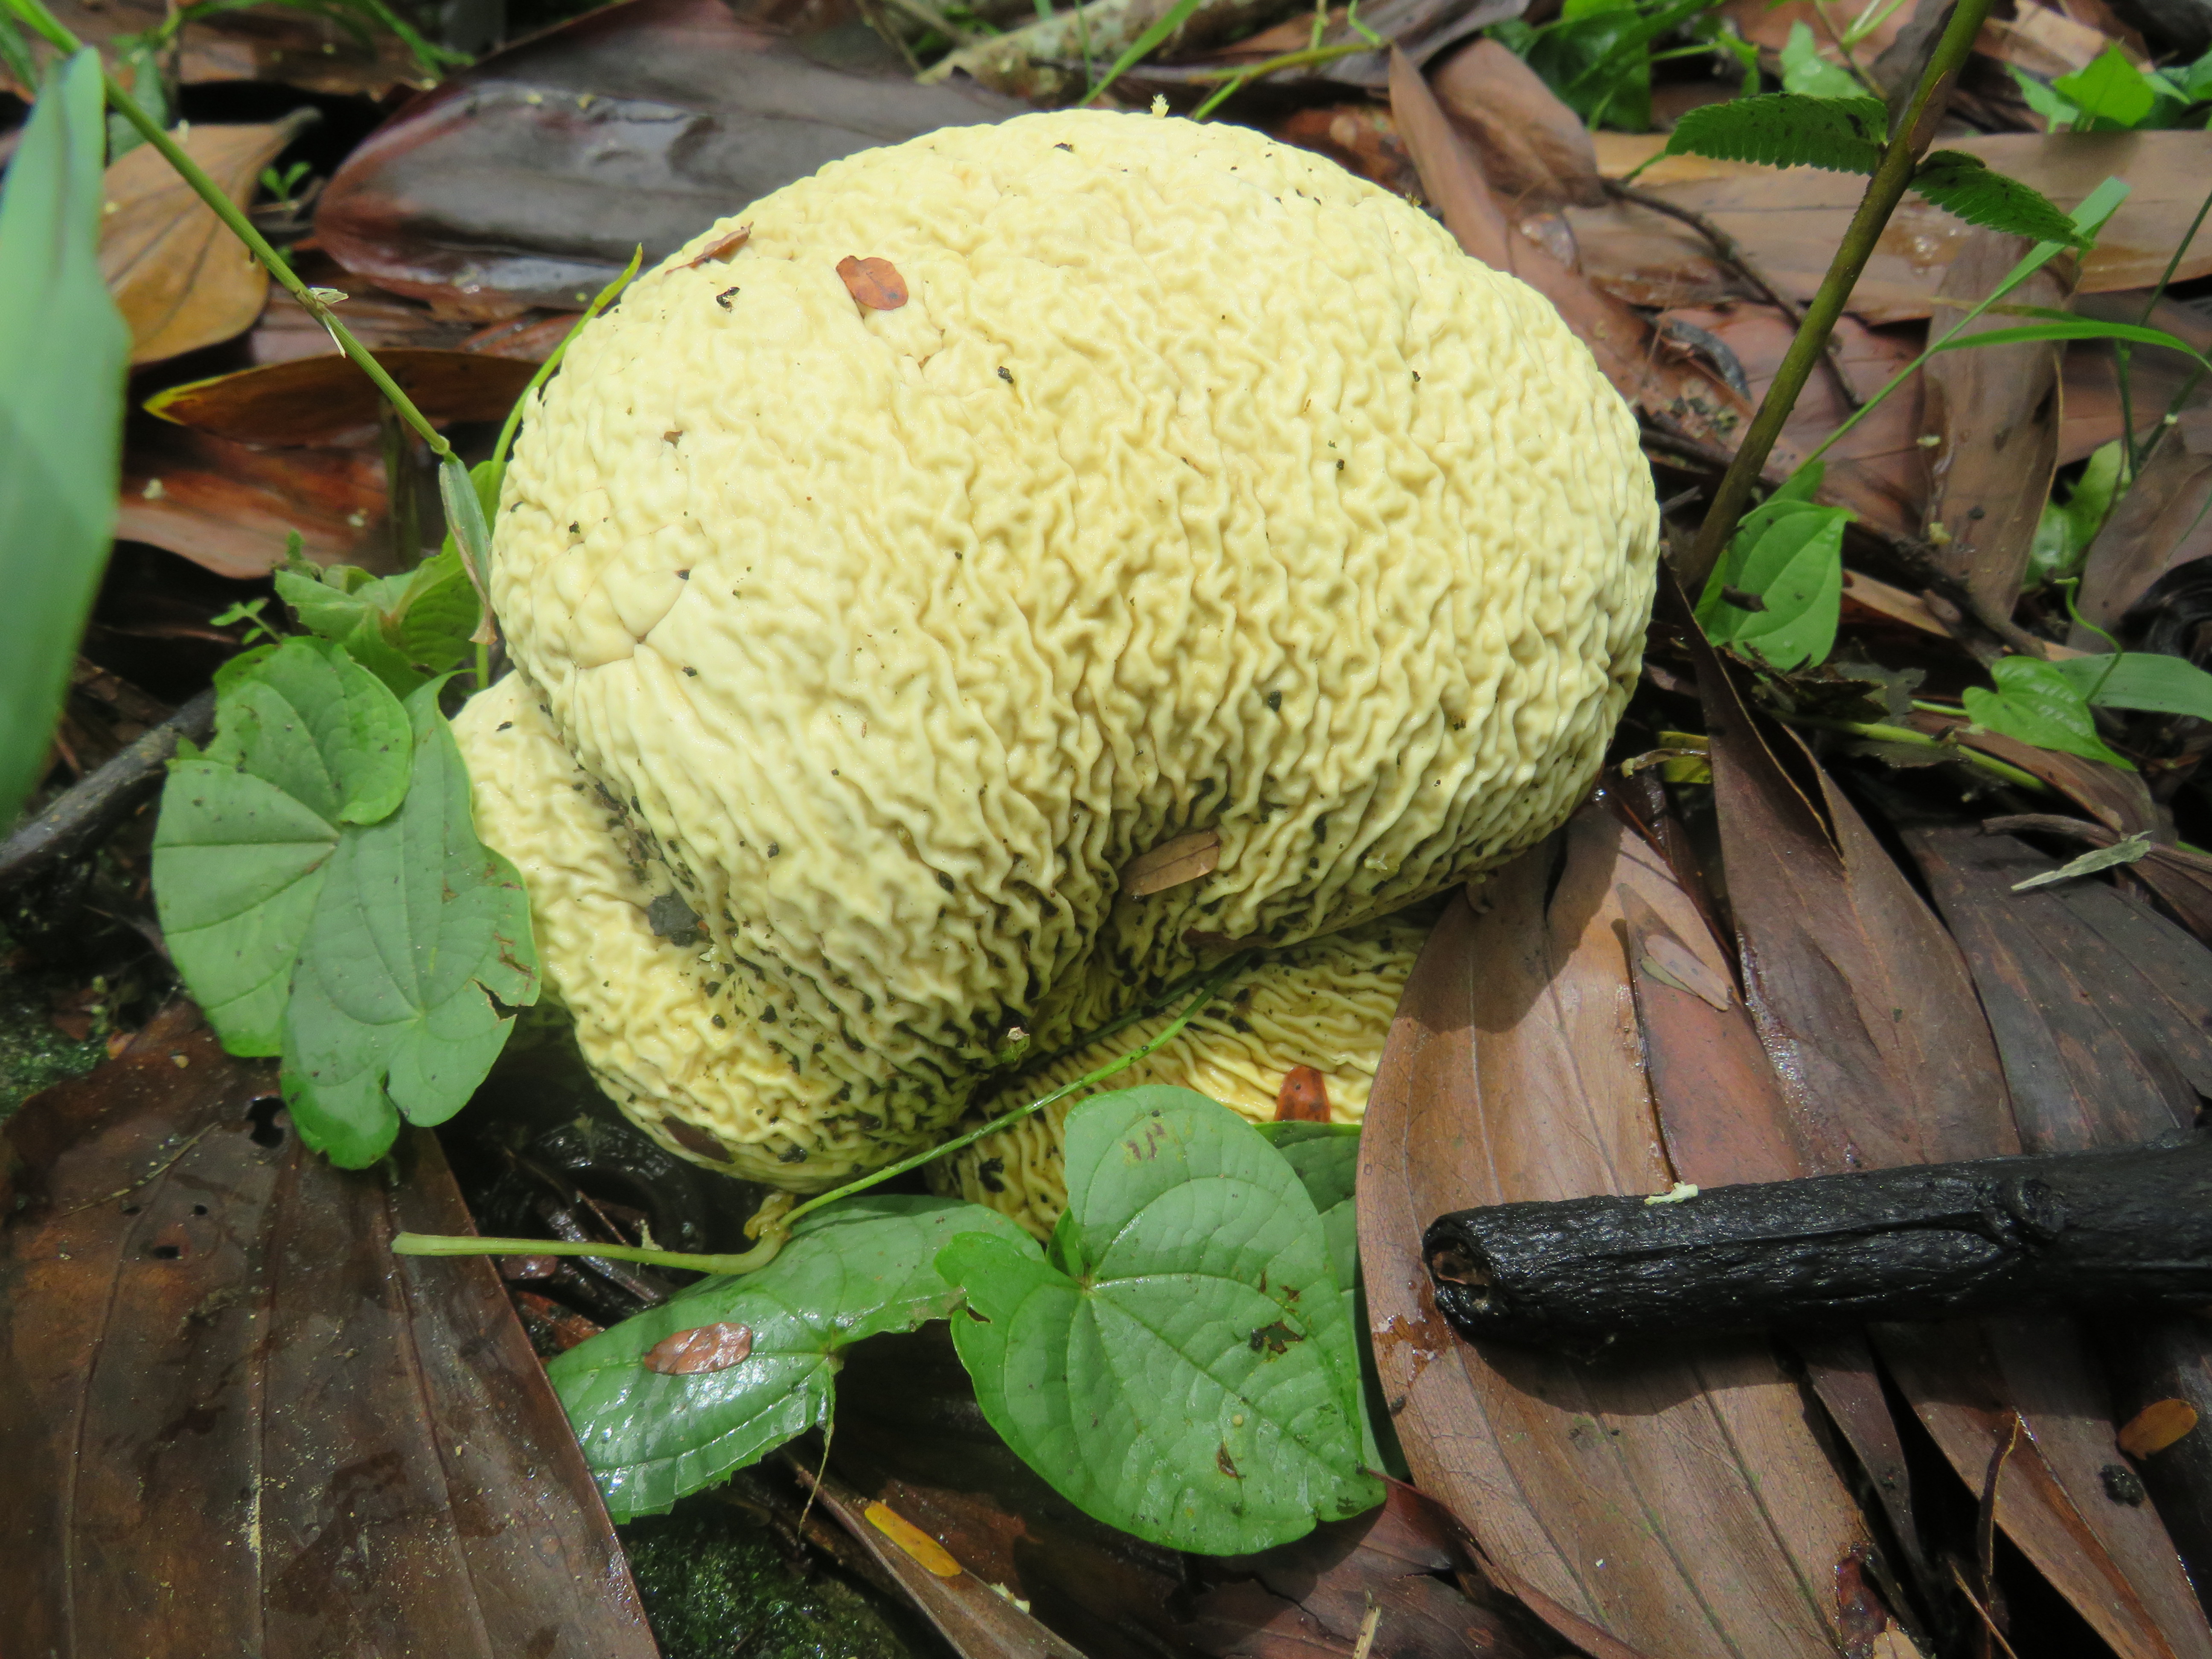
x=1197, y=486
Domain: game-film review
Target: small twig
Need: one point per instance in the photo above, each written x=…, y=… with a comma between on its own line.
x=94, y=805
x=1733, y=254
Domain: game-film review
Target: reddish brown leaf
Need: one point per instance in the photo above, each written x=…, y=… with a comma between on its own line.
x=702, y=1348
x=1679, y=391
x=1511, y=1073
x=180, y=279
x=2114, y=797
x=328, y=400
x=874, y=284
x=1532, y=148
x=238, y=1425
x=231, y=507
x=1303, y=1097
x=529, y=177
x=1994, y=413
x=1359, y=137
x=2157, y=1426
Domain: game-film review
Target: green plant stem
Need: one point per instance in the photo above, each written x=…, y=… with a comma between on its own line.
x=36, y=15
x=1911, y=137
x=778, y=1230
x=1209, y=988
x=1877, y=731
x=1234, y=80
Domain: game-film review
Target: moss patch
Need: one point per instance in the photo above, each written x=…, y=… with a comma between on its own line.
x=33, y=1055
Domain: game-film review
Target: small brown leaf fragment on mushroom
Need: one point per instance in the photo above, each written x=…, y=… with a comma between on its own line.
x=1303, y=1097
x=721, y=248
x=874, y=284
x=2157, y=1426
x=703, y=1348
x=1172, y=863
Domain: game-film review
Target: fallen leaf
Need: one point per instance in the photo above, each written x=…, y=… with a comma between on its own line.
x=874, y=284
x=2112, y=797
x=1359, y=137
x=1172, y=863
x=2041, y=41
x=328, y=400
x=1303, y=1097
x=912, y=1538
x=1792, y=221
x=528, y=179
x=249, y=1426
x=722, y=247
x=2160, y=523
x=1690, y=1473
x=179, y=278
x=1533, y=148
x=230, y=507
x=1682, y=394
x=1994, y=413
x=703, y=1348
x=2157, y=1426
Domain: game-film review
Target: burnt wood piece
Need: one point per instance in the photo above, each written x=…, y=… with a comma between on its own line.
x=2091, y=1230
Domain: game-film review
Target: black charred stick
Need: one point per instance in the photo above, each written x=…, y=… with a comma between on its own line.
x=2096, y=1230
x=76, y=819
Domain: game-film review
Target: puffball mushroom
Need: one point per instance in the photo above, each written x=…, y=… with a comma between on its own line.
x=1198, y=497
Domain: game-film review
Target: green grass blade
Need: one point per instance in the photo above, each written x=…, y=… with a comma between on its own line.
x=1167, y=24
x=62, y=347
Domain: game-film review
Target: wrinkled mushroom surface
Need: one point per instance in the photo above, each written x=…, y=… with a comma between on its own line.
x=1197, y=486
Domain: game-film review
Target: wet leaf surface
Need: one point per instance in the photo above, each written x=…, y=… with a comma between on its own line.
x=1687, y=1472
x=529, y=178
x=239, y=1426
x=230, y=507
x=328, y=400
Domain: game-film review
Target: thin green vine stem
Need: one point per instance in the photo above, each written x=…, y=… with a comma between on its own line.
x=1878, y=732
x=35, y=14
x=1913, y=132
x=778, y=1230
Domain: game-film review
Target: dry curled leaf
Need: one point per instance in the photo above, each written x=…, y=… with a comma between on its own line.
x=702, y=1348
x=873, y=283
x=2157, y=1426
x=722, y=247
x=1172, y=863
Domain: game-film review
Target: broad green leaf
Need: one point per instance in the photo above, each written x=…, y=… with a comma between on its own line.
x=2110, y=92
x=63, y=350
x=1180, y=1366
x=1804, y=70
x=311, y=720
x=2063, y=533
x=2037, y=704
x=1326, y=1159
x=419, y=950
x=2057, y=110
x=238, y=865
x=858, y=1269
x=1797, y=568
x=305, y=741
x=403, y=628
x=2145, y=680
x=1968, y=188
x=1786, y=129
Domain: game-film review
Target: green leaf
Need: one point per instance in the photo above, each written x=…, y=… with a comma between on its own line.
x=1180, y=1367
x=1788, y=554
x=1968, y=188
x=1158, y=31
x=305, y=741
x=403, y=628
x=419, y=950
x=2060, y=113
x=855, y=1270
x=2065, y=531
x=1325, y=1157
x=62, y=350
x=1786, y=129
x=2037, y=704
x=2110, y=92
x=2145, y=680
x=1804, y=70
x=2071, y=328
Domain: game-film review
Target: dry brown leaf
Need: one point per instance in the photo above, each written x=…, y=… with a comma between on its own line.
x=1995, y=414
x=723, y=247
x=2161, y=522
x=1172, y=863
x=2118, y=799
x=1791, y=222
x=231, y=507
x=181, y=280
x=328, y=400
x=1532, y=148
x=2157, y=1426
x=1303, y=1097
x=874, y=284
x=1361, y=138
x=1675, y=1499
x=1678, y=392
x=703, y=1348
x=2041, y=41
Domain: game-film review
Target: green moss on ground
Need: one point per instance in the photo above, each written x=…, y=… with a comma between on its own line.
x=715, y=1582
x=33, y=1055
